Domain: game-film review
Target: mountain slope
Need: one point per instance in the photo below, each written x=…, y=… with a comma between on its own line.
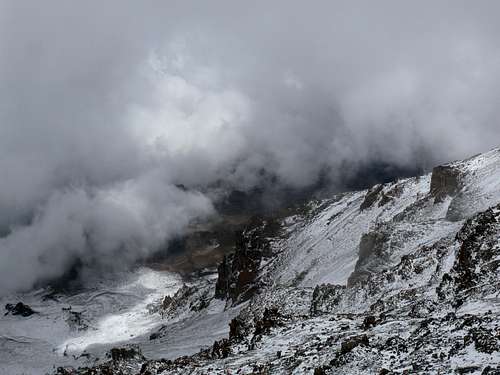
x=402, y=278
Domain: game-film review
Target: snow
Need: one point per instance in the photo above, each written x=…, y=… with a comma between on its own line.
x=323, y=247
x=116, y=310
x=134, y=321
x=320, y=245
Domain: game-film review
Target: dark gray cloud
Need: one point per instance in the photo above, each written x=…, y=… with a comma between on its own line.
x=106, y=106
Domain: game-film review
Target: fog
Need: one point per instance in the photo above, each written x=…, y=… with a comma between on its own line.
x=107, y=108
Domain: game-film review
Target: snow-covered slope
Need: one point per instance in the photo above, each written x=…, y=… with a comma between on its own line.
x=322, y=245
x=400, y=278
x=412, y=271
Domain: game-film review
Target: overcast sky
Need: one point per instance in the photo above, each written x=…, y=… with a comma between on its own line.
x=106, y=105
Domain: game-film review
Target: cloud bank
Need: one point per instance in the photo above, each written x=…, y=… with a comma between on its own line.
x=107, y=108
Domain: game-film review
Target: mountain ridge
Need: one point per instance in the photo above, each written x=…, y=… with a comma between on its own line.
x=399, y=278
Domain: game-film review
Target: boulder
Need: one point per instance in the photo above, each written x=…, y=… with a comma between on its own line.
x=353, y=342
x=126, y=353
x=19, y=309
x=369, y=322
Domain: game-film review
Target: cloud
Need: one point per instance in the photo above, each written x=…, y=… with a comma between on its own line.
x=106, y=107
x=106, y=229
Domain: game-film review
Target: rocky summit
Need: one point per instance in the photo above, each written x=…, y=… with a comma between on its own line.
x=402, y=278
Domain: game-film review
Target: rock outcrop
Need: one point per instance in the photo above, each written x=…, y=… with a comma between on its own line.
x=19, y=309
x=445, y=181
x=476, y=267
x=238, y=272
x=371, y=197
x=325, y=298
x=372, y=247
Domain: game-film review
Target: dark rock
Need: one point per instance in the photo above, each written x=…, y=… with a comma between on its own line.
x=19, y=309
x=353, y=342
x=488, y=370
x=260, y=370
x=484, y=340
x=372, y=251
x=200, y=303
x=469, y=320
x=270, y=318
x=319, y=371
x=369, y=322
x=221, y=349
x=325, y=298
x=167, y=302
x=238, y=329
x=223, y=277
x=123, y=354
x=393, y=193
x=371, y=197
x=396, y=344
x=385, y=199
x=467, y=369
x=445, y=181
x=475, y=263
x=422, y=308
x=144, y=369
x=237, y=274
x=66, y=371
x=181, y=299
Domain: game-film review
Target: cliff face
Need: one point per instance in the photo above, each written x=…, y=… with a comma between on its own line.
x=402, y=278
x=237, y=274
x=445, y=181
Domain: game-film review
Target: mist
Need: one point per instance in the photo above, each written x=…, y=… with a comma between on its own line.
x=118, y=119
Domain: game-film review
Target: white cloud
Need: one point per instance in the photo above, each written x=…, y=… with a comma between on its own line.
x=106, y=107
